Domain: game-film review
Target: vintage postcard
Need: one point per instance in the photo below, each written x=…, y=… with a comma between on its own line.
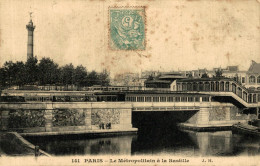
x=129, y=82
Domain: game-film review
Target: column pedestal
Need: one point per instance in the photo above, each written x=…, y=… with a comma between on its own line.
x=87, y=113
x=48, y=118
x=227, y=110
x=125, y=118
x=203, y=116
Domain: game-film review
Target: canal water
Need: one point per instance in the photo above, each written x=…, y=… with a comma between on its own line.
x=156, y=141
x=157, y=135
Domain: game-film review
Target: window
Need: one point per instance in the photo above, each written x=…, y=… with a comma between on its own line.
x=197, y=99
x=178, y=87
x=140, y=99
x=201, y=86
x=170, y=99
x=205, y=99
x=133, y=99
x=148, y=99
x=113, y=98
x=104, y=99
x=212, y=86
x=252, y=79
x=184, y=99
x=178, y=99
x=163, y=99
x=258, y=79
x=155, y=99
x=243, y=80
x=46, y=99
x=190, y=99
x=184, y=87
x=195, y=86
x=189, y=87
x=207, y=86
x=254, y=98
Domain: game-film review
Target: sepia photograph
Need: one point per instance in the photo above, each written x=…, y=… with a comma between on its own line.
x=129, y=82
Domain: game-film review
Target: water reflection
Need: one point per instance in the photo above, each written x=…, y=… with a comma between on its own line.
x=80, y=146
x=213, y=143
x=156, y=142
x=191, y=143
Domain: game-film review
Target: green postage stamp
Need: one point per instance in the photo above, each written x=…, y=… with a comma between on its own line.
x=127, y=28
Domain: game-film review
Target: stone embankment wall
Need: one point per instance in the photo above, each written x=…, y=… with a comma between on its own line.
x=55, y=117
x=79, y=116
x=220, y=115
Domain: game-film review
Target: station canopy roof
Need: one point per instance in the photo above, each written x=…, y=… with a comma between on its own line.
x=159, y=81
x=171, y=77
x=203, y=79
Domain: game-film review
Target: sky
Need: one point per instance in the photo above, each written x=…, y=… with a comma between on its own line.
x=180, y=34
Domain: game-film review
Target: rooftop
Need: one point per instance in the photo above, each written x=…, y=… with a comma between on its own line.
x=202, y=79
x=159, y=81
x=232, y=68
x=254, y=68
x=171, y=77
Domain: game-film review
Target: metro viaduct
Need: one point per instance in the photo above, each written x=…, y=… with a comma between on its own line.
x=84, y=117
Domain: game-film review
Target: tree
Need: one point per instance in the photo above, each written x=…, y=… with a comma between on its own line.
x=80, y=76
x=92, y=78
x=104, y=78
x=48, y=71
x=3, y=78
x=31, y=69
x=20, y=74
x=9, y=72
x=67, y=74
x=150, y=78
x=13, y=73
x=204, y=75
x=218, y=73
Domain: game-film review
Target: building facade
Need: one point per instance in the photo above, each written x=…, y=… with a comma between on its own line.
x=253, y=77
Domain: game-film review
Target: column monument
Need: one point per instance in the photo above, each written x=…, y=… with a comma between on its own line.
x=30, y=27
